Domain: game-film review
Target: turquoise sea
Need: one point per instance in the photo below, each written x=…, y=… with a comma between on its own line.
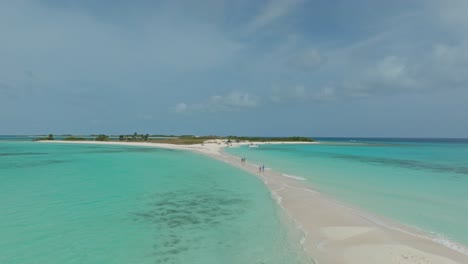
x=422, y=183
x=113, y=204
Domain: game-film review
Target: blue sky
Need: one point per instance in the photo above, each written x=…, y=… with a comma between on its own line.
x=270, y=67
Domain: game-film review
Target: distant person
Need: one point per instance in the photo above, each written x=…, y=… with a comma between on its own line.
x=263, y=168
x=259, y=168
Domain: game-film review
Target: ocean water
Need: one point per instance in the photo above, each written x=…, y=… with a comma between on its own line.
x=112, y=204
x=421, y=183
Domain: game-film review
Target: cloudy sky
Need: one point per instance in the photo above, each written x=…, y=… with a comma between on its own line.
x=265, y=67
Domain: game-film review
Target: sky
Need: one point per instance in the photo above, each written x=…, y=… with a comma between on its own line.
x=361, y=68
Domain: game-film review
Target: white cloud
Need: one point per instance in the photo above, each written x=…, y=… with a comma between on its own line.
x=390, y=74
x=34, y=35
x=274, y=10
x=391, y=68
x=146, y=117
x=327, y=93
x=454, y=55
x=237, y=99
x=308, y=59
x=452, y=14
x=181, y=107
x=292, y=93
x=299, y=93
x=232, y=101
x=449, y=64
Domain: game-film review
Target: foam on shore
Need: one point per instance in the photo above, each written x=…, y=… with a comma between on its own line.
x=293, y=177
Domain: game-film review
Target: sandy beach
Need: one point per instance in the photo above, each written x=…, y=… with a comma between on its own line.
x=333, y=231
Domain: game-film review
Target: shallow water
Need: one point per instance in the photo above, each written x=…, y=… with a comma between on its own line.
x=420, y=183
x=112, y=204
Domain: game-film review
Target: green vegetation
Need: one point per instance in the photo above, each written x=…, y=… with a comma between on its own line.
x=49, y=137
x=244, y=138
x=241, y=138
x=180, y=140
x=134, y=137
x=190, y=139
x=102, y=137
x=157, y=135
x=73, y=138
x=271, y=139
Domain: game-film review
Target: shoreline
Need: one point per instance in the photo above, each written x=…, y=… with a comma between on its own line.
x=334, y=232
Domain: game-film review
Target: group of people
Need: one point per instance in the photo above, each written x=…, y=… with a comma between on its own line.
x=260, y=168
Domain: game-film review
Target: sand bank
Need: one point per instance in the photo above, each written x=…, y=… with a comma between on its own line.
x=334, y=232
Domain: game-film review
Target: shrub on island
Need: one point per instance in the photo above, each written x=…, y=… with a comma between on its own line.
x=49, y=137
x=271, y=139
x=134, y=137
x=102, y=137
x=72, y=138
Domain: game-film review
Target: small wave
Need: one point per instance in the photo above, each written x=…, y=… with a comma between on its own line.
x=450, y=244
x=277, y=197
x=293, y=177
x=432, y=236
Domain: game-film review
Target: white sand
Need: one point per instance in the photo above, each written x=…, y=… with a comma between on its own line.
x=344, y=232
x=333, y=232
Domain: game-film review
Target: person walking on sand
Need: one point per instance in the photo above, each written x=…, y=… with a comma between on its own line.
x=263, y=168
x=259, y=169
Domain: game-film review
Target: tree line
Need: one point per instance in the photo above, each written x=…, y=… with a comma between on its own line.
x=183, y=138
x=134, y=137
